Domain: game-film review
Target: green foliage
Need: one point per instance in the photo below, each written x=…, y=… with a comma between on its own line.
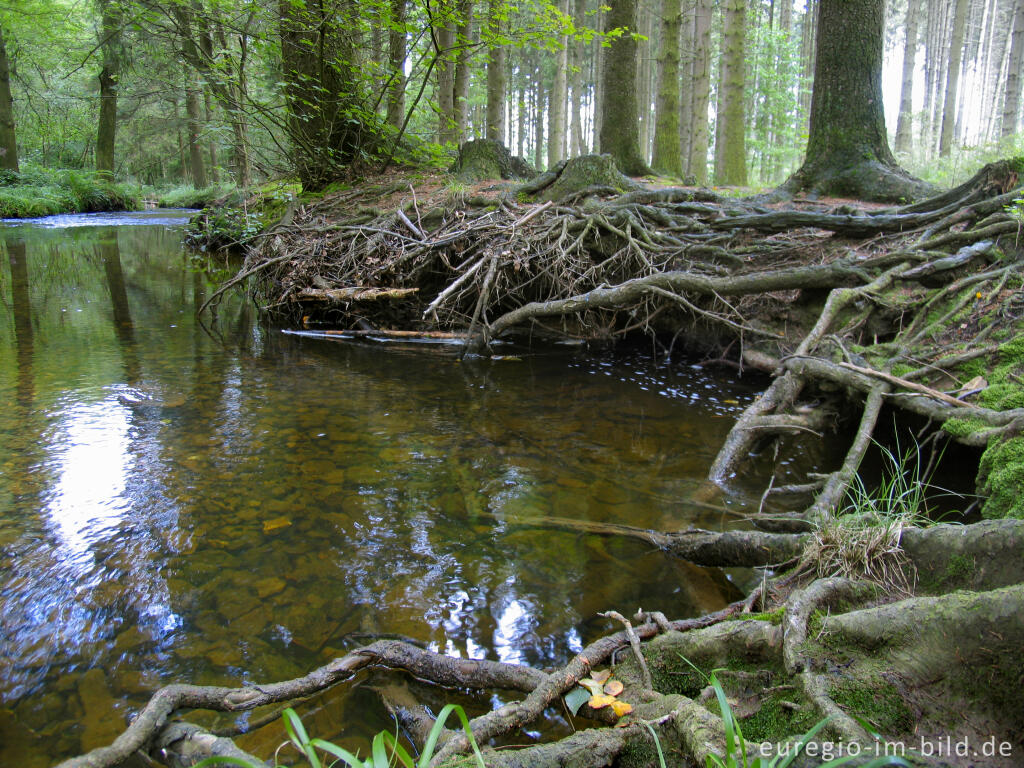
x=775, y=133
x=187, y=196
x=40, y=192
x=385, y=749
x=901, y=495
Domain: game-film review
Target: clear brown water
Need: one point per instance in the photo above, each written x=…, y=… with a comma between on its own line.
x=233, y=504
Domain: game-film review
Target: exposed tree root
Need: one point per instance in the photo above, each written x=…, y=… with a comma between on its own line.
x=914, y=633
x=875, y=307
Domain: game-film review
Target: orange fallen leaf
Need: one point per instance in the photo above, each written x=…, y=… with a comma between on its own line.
x=613, y=687
x=601, y=676
x=602, y=700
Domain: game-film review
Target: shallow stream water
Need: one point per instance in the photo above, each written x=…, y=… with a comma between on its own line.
x=226, y=503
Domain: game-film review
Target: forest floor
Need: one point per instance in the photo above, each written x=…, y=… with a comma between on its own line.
x=903, y=633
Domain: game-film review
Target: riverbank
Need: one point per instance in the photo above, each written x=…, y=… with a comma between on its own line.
x=912, y=313
x=39, y=192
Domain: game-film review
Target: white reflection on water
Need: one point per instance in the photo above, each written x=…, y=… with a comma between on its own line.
x=88, y=498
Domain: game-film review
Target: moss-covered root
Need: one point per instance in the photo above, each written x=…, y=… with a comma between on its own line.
x=985, y=555
x=962, y=648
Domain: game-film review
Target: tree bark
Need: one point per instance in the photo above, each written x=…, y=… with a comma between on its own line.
x=956, y=50
x=495, y=77
x=110, y=43
x=8, y=140
x=558, y=97
x=698, y=161
x=620, y=134
x=444, y=38
x=195, y=147
x=848, y=150
x=1011, y=98
x=730, y=147
x=905, y=120
x=666, y=156
x=460, y=97
x=396, y=64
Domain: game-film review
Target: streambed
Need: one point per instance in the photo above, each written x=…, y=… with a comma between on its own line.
x=223, y=503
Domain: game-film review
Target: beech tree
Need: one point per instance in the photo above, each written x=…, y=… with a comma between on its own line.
x=848, y=150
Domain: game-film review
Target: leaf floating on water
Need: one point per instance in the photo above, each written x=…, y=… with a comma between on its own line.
x=602, y=700
x=576, y=698
x=621, y=708
x=277, y=522
x=613, y=687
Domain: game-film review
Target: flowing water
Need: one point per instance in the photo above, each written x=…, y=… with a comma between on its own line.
x=224, y=503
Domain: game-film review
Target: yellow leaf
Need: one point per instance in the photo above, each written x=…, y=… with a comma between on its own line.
x=621, y=708
x=277, y=522
x=591, y=685
x=601, y=676
x=613, y=687
x=601, y=700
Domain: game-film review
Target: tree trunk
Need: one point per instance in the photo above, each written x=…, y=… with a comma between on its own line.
x=444, y=36
x=110, y=44
x=195, y=148
x=848, y=151
x=460, y=98
x=808, y=44
x=396, y=64
x=730, y=147
x=905, y=120
x=698, y=163
x=559, y=95
x=496, y=58
x=1011, y=99
x=538, y=115
x=8, y=141
x=686, y=51
x=666, y=158
x=956, y=50
x=620, y=135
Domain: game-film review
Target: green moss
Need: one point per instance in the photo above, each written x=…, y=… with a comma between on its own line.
x=972, y=368
x=772, y=617
x=901, y=369
x=959, y=568
x=776, y=722
x=958, y=427
x=1001, y=479
x=878, y=701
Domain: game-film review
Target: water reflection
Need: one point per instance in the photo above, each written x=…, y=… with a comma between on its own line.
x=240, y=505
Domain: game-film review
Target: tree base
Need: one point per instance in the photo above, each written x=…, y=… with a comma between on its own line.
x=868, y=180
x=484, y=159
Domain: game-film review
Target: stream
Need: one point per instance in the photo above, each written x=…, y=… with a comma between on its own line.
x=223, y=503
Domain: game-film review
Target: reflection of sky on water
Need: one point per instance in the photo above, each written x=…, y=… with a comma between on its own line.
x=91, y=461
x=268, y=502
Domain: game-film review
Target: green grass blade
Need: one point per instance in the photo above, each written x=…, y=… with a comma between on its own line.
x=339, y=752
x=297, y=733
x=224, y=760
x=657, y=745
x=435, y=734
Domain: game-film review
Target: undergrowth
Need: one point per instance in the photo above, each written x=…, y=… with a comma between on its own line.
x=37, y=191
